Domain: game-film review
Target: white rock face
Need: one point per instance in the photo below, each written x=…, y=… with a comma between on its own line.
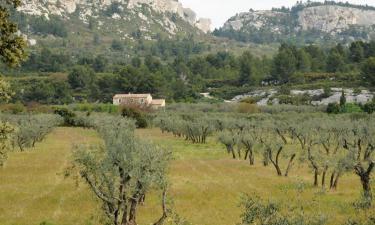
x=257, y=19
x=204, y=25
x=326, y=18
x=332, y=18
x=66, y=7
x=160, y=5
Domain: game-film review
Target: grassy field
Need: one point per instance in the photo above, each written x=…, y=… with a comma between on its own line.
x=206, y=185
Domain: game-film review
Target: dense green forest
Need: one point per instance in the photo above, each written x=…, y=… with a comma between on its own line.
x=54, y=78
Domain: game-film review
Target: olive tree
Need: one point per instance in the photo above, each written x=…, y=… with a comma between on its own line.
x=249, y=137
x=307, y=135
x=230, y=140
x=198, y=130
x=274, y=147
x=122, y=170
x=334, y=157
x=359, y=140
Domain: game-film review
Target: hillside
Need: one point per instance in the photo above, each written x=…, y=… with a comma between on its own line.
x=327, y=22
x=75, y=25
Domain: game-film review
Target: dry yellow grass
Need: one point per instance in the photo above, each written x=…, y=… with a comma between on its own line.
x=33, y=188
x=206, y=185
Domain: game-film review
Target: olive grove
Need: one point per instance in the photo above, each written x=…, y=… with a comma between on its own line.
x=329, y=145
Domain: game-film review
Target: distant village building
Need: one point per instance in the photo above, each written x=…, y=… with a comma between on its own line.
x=138, y=99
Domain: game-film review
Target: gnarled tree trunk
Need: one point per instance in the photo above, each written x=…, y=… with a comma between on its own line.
x=276, y=161
x=290, y=164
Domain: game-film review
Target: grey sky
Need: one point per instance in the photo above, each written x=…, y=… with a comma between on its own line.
x=221, y=10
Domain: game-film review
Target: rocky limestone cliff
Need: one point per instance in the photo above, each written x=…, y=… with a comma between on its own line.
x=343, y=22
x=257, y=19
x=90, y=7
x=334, y=18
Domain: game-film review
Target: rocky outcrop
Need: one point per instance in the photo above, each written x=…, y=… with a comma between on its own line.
x=316, y=21
x=334, y=18
x=204, y=25
x=256, y=19
x=89, y=7
x=265, y=96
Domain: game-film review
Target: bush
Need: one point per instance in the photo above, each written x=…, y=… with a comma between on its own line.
x=369, y=107
x=249, y=100
x=333, y=108
x=136, y=114
x=67, y=115
x=248, y=108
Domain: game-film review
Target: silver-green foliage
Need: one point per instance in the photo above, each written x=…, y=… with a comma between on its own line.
x=30, y=129
x=195, y=130
x=123, y=169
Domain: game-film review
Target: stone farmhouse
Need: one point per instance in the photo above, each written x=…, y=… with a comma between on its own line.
x=138, y=99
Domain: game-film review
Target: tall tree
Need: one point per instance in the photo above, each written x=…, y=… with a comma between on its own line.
x=284, y=63
x=368, y=71
x=12, y=52
x=335, y=62
x=12, y=45
x=246, y=68
x=81, y=77
x=357, y=52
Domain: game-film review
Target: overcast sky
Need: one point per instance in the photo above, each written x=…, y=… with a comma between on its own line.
x=221, y=10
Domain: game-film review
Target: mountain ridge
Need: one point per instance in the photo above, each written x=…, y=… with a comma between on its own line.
x=311, y=21
x=90, y=8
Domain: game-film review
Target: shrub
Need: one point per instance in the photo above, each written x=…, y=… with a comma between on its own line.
x=136, y=114
x=333, y=108
x=369, y=107
x=249, y=100
x=257, y=211
x=67, y=115
x=247, y=108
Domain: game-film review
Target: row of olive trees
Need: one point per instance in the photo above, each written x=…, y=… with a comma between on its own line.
x=24, y=131
x=122, y=170
x=331, y=146
x=195, y=130
x=30, y=129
